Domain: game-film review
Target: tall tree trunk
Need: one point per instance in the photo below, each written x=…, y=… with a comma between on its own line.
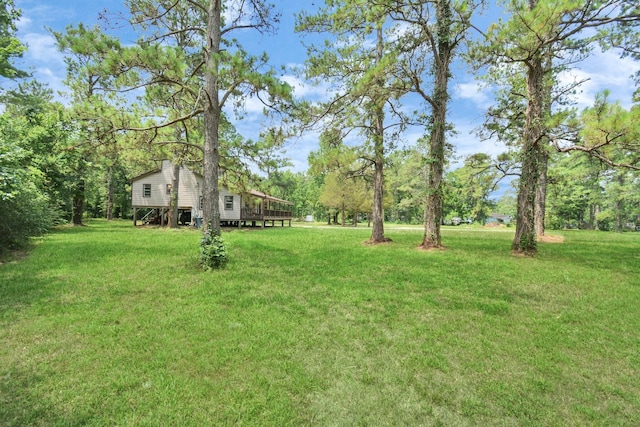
x=78, y=202
x=110, y=195
x=524, y=241
x=79, y=194
x=541, y=193
x=435, y=160
x=173, y=196
x=433, y=209
x=377, y=232
x=620, y=219
x=211, y=192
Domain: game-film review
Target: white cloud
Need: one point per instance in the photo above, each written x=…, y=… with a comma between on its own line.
x=467, y=142
x=42, y=48
x=46, y=62
x=23, y=23
x=474, y=92
x=298, y=151
x=307, y=90
x=603, y=70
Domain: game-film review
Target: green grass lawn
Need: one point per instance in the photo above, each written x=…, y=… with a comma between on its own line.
x=111, y=325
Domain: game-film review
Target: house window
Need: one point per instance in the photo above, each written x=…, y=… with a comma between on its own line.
x=169, y=186
x=146, y=190
x=228, y=203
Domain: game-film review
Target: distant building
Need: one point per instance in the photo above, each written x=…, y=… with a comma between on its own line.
x=498, y=219
x=151, y=191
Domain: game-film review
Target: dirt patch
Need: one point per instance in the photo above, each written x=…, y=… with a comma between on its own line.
x=431, y=249
x=551, y=239
x=376, y=243
x=13, y=256
x=523, y=254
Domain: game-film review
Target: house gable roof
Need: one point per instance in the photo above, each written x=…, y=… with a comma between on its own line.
x=158, y=170
x=262, y=195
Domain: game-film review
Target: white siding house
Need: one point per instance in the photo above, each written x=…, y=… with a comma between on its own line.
x=152, y=189
x=151, y=192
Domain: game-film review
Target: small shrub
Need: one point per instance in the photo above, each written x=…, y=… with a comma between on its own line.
x=213, y=254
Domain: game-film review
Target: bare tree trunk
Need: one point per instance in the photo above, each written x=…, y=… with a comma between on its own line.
x=524, y=241
x=79, y=194
x=78, y=202
x=435, y=161
x=620, y=219
x=110, y=196
x=173, y=196
x=433, y=210
x=377, y=232
x=541, y=194
x=211, y=160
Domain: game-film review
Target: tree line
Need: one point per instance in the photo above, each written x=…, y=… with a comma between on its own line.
x=177, y=91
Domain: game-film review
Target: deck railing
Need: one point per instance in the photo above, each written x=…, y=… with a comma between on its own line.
x=270, y=213
x=252, y=214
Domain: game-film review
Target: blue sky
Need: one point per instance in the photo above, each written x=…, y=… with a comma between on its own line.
x=603, y=70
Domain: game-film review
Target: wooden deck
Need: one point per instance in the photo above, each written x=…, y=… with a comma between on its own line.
x=257, y=218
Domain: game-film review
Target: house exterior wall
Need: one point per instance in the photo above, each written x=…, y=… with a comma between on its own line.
x=189, y=192
x=188, y=188
x=225, y=213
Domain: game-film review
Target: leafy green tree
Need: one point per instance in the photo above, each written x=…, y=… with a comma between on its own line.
x=468, y=187
x=607, y=132
x=507, y=203
x=25, y=210
x=624, y=36
x=303, y=190
x=10, y=46
x=346, y=195
x=575, y=191
x=435, y=32
x=360, y=63
x=544, y=37
x=332, y=157
x=43, y=128
x=335, y=194
x=34, y=194
x=405, y=181
x=92, y=106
